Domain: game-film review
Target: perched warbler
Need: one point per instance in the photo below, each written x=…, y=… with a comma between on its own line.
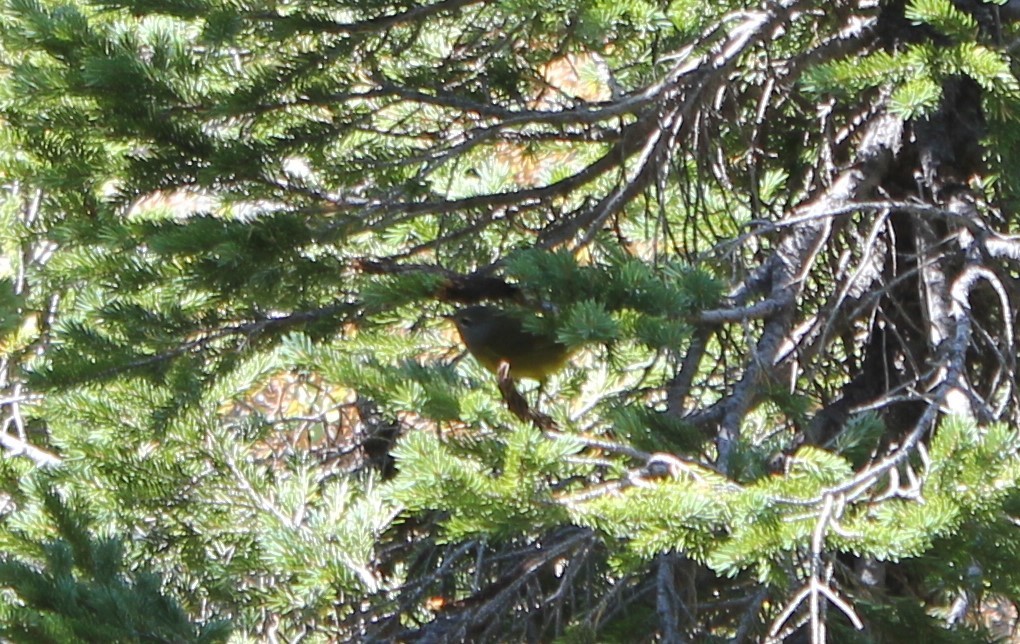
x=493, y=336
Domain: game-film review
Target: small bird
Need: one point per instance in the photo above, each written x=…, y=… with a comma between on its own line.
x=493, y=336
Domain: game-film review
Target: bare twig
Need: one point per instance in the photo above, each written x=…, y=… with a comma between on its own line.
x=19, y=447
x=792, y=260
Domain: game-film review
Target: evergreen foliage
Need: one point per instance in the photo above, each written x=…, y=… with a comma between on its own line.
x=75, y=587
x=779, y=237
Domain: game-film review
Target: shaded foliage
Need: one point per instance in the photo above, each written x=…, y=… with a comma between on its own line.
x=780, y=238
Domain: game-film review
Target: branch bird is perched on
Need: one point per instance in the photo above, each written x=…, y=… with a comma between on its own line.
x=494, y=336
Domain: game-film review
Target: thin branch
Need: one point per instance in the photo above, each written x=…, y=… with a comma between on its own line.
x=18, y=447
x=377, y=24
x=667, y=600
x=952, y=369
x=680, y=386
x=791, y=262
x=244, y=330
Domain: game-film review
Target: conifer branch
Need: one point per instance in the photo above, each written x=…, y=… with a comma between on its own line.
x=780, y=226
x=377, y=24
x=667, y=600
x=952, y=370
x=246, y=332
x=679, y=387
x=789, y=265
x=18, y=447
